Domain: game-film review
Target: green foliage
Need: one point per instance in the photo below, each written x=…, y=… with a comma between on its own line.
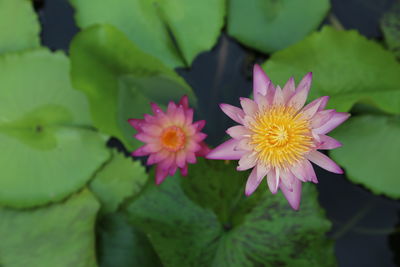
x=271, y=25
x=370, y=152
x=119, y=179
x=345, y=65
x=120, y=80
x=174, y=31
x=48, y=149
x=19, y=26
x=390, y=25
x=122, y=245
x=58, y=235
x=205, y=220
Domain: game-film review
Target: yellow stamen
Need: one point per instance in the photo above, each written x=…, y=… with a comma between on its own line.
x=280, y=136
x=173, y=138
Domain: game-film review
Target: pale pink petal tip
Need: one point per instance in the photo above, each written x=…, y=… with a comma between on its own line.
x=226, y=151
x=293, y=196
x=233, y=112
x=260, y=81
x=184, y=101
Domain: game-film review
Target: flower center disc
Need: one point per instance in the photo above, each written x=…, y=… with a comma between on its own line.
x=280, y=136
x=173, y=138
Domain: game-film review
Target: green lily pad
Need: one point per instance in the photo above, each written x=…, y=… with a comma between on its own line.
x=370, y=152
x=205, y=220
x=390, y=25
x=119, y=179
x=60, y=235
x=120, y=80
x=48, y=148
x=345, y=65
x=174, y=31
x=120, y=244
x=271, y=25
x=19, y=26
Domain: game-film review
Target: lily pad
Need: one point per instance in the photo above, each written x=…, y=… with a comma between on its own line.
x=19, y=26
x=345, y=65
x=119, y=179
x=48, y=148
x=120, y=80
x=120, y=244
x=271, y=25
x=205, y=220
x=371, y=152
x=60, y=235
x=174, y=31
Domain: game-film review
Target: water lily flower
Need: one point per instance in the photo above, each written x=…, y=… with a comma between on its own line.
x=171, y=138
x=278, y=137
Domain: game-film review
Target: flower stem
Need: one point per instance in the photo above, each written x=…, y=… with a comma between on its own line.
x=335, y=22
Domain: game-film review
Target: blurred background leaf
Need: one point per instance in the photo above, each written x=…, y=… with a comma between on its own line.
x=370, y=152
x=19, y=26
x=57, y=235
x=187, y=227
x=174, y=31
x=49, y=149
x=346, y=66
x=271, y=25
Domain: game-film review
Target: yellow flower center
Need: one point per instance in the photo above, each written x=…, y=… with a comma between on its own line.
x=280, y=136
x=173, y=138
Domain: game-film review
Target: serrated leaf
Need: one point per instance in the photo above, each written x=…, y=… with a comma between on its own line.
x=205, y=220
x=390, y=25
x=24, y=32
x=119, y=179
x=271, y=25
x=174, y=31
x=48, y=148
x=59, y=235
x=371, y=152
x=120, y=80
x=120, y=244
x=345, y=65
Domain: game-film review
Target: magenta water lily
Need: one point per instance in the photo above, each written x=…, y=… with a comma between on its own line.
x=172, y=139
x=278, y=137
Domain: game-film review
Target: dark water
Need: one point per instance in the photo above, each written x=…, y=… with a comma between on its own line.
x=363, y=224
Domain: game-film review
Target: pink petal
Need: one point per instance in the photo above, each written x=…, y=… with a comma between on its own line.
x=232, y=112
x=188, y=116
x=198, y=137
x=184, y=102
x=156, y=109
x=191, y=157
x=244, y=144
x=309, y=169
x=262, y=170
x=324, y=162
x=146, y=149
x=247, y=161
x=337, y=119
x=157, y=157
x=288, y=89
x=299, y=98
x=171, y=109
x=249, y=106
x=328, y=142
x=136, y=123
x=299, y=171
x=199, y=125
x=260, y=81
x=293, y=196
x=181, y=159
x=145, y=138
x=273, y=181
x=252, y=182
x=310, y=110
x=323, y=103
x=238, y=131
x=184, y=170
x=172, y=170
x=278, y=98
x=226, y=151
x=161, y=174
x=322, y=117
x=204, y=150
x=151, y=129
x=287, y=178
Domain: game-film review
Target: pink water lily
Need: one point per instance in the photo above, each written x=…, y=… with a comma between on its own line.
x=172, y=139
x=278, y=137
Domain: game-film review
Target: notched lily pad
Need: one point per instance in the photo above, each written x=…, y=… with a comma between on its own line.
x=205, y=220
x=49, y=148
